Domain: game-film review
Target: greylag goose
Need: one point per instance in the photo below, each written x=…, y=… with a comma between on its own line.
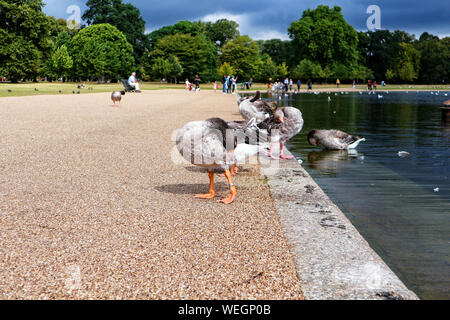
x=214, y=143
x=334, y=139
x=255, y=108
x=289, y=122
x=116, y=96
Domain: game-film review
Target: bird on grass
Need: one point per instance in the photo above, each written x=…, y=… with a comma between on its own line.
x=9, y=90
x=116, y=96
x=212, y=144
x=36, y=89
x=334, y=139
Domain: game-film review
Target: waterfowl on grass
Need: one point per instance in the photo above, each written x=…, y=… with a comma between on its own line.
x=214, y=144
x=334, y=139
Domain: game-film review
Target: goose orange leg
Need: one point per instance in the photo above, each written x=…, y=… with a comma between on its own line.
x=234, y=171
x=233, y=190
x=212, y=190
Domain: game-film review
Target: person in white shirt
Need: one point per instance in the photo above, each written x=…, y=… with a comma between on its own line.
x=132, y=81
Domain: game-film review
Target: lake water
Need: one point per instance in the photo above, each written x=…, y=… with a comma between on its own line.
x=392, y=201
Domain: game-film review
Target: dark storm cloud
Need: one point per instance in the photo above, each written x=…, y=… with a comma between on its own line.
x=264, y=18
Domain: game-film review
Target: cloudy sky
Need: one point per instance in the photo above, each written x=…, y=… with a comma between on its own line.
x=267, y=19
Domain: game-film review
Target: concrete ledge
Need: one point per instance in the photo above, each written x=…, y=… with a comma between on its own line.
x=333, y=260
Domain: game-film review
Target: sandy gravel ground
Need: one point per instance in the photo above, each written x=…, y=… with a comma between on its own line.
x=92, y=207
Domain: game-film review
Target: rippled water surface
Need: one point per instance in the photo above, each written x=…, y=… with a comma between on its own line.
x=393, y=201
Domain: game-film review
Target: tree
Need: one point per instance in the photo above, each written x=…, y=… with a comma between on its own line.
x=222, y=31
x=196, y=54
x=323, y=36
x=282, y=70
x=407, y=68
x=225, y=69
x=27, y=34
x=60, y=62
x=379, y=50
x=280, y=51
x=101, y=50
x=18, y=57
x=268, y=69
x=181, y=27
x=124, y=16
x=307, y=69
x=434, y=59
x=242, y=54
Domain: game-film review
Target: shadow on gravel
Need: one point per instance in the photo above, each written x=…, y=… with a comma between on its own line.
x=190, y=188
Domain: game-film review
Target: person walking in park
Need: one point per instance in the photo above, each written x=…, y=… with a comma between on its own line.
x=291, y=84
x=132, y=81
x=375, y=85
x=250, y=83
x=309, y=84
x=286, y=84
x=338, y=83
x=224, y=84
x=369, y=85
x=299, y=85
x=187, y=85
x=197, y=82
x=215, y=86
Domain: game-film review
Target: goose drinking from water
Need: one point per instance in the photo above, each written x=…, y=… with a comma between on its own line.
x=217, y=144
x=334, y=139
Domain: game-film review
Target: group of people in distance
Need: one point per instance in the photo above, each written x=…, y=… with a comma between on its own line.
x=288, y=84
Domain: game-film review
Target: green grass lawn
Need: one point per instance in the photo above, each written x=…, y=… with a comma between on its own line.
x=46, y=88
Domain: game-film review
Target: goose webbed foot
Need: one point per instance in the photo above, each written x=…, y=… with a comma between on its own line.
x=212, y=190
x=231, y=198
x=286, y=157
x=234, y=171
x=233, y=190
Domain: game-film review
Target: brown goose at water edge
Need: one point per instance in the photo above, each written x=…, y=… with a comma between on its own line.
x=334, y=139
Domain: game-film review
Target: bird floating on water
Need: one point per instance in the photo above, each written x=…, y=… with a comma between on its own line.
x=403, y=154
x=334, y=139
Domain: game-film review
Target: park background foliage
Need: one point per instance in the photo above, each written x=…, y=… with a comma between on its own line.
x=113, y=43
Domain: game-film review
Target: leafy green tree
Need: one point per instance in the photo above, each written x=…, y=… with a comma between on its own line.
x=28, y=33
x=282, y=70
x=60, y=63
x=222, y=31
x=407, y=68
x=242, y=54
x=379, y=50
x=434, y=59
x=323, y=36
x=18, y=57
x=181, y=27
x=280, y=51
x=307, y=69
x=101, y=51
x=124, y=16
x=268, y=69
x=196, y=54
x=225, y=69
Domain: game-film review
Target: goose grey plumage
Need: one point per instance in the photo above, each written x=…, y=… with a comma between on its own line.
x=255, y=108
x=213, y=144
x=289, y=122
x=116, y=96
x=334, y=139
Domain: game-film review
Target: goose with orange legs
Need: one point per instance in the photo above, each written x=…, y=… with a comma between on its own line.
x=212, y=144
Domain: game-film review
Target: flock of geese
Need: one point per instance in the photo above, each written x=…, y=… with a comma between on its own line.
x=215, y=144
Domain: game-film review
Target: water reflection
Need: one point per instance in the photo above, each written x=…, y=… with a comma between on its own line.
x=331, y=161
x=391, y=200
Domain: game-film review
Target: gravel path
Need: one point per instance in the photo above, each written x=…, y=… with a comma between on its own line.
x=92, y=206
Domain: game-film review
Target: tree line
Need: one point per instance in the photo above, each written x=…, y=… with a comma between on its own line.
x=322, y=47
